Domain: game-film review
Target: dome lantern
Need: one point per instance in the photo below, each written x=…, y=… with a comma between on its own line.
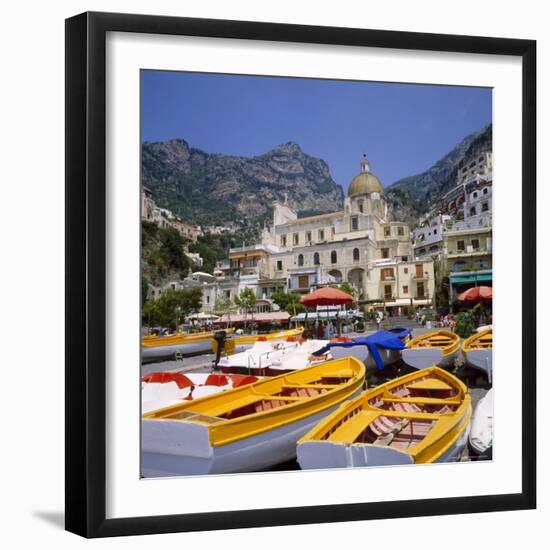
x=365, y=182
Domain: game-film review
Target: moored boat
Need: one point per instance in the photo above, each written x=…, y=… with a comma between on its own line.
x=481, y=434
x=478, y=351
x=238, y=344
x=157, y=348
x=249, y=428
x=438, y=347
x=419, y=418
x=271, y=357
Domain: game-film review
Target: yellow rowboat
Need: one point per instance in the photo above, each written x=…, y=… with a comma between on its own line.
x=419, y=418
x=478, y=351
x=249, y=428
x=439, y=347
x=156, y=348
x=239, y=344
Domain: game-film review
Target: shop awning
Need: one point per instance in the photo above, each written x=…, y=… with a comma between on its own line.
x=471, y=278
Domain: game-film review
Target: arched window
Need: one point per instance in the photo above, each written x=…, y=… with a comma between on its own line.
x=316, y=260
x=300, y=259
x=333, y=257
x=355, y=254
x=360, y=206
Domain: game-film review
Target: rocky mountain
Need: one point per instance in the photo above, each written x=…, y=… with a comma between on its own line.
x=214, y=189
x=412, y=196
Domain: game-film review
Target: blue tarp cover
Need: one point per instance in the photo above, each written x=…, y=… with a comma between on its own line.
x=385, y=339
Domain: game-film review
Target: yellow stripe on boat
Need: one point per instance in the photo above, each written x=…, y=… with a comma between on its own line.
x=479, y=340
x=447, y=342
x=422, y=417
x=270, y=403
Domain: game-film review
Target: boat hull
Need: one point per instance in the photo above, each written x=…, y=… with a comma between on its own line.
x=151, y=354
x=192, y=454
x=326, y=454
x=362, y=353
x=481, y=435
x=423, y=358
x=481, y=359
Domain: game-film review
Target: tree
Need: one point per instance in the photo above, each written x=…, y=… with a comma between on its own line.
x=348, y=289
x=173, y=306
x=246, y=300
x=144, y=289
x=289, y=302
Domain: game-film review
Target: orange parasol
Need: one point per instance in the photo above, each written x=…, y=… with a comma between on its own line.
x=326, y=297
x=477, y=294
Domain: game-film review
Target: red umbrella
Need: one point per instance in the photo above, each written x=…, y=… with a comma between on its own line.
x=477, y=294
x=327, y=296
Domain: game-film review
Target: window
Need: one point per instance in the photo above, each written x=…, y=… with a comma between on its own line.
x=385, y=253
x=387, y=292
x=355, y=254
x=386, y=274
x=300, y=259
x=354, y=223
x=475, y=244
x=387, y=231
x=279, y=265
x=208, y=299
x=332, y=232
x=333, y=257
x=406, y=270
x=316, y=260
x=420, y=290
x=475, y=194
x=405, y=289
x=421, y=251
x=360, y=206
x=419, y=270
x=484, y=206
x=482, y=264
x=460, y=246
x=303, y=281
x=321, y=234
x=473, y=211
x=283, y=240
x=308, y=236
x=485, y=191
x=404, y=259
x=400, y=231
x=435, y=231
x=460, y=265
x=295, y=238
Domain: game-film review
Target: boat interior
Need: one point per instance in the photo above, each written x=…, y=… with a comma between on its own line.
x=399, y=417
x=483, y=340
x=434, y=340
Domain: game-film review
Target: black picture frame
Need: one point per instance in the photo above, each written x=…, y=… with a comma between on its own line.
x=86, y=279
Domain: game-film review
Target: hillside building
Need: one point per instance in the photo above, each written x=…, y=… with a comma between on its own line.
x=357, y=244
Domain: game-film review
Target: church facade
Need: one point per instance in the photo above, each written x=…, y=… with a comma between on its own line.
x=357, y=244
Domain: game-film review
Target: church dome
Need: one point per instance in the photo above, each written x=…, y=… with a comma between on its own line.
x=365, y=182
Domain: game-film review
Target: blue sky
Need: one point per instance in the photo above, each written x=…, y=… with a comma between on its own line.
x=403, y=129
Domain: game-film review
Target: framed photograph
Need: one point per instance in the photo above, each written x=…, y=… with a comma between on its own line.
x=281, y=298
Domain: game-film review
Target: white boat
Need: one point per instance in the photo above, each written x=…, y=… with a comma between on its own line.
x=262, y=355
x=481, y=434
x=478, y=352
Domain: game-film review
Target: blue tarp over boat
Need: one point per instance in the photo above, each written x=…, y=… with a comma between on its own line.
x=385, y=339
